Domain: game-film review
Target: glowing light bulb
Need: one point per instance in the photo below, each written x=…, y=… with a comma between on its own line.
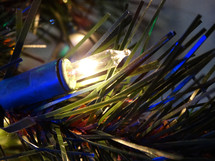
x=98, y=62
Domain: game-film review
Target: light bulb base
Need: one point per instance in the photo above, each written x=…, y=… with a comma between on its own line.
x=34, y=86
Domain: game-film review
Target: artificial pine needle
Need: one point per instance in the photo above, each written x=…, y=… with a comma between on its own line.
x=74, y=49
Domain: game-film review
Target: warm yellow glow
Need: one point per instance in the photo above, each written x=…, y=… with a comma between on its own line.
x=35, y=46
x=87, y=67
x=11, y=51
x=36, y=23
x=65, y=1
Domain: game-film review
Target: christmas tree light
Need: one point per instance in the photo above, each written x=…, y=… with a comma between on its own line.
x=54, y=79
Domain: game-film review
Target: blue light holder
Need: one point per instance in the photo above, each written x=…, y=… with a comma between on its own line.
x=36, y=85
